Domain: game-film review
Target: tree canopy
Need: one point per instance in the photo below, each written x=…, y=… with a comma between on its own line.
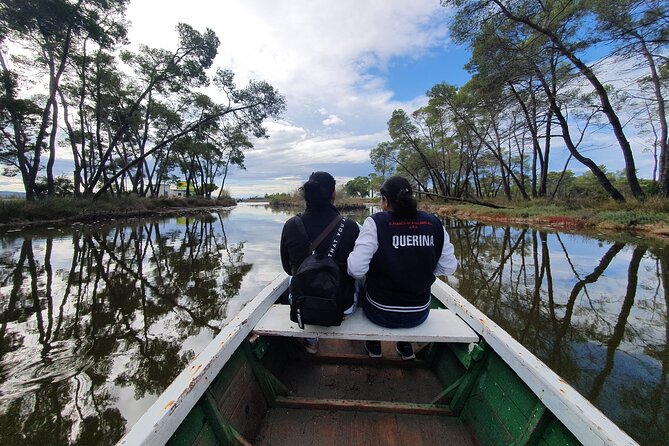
x=130, y=119
x=531, y=89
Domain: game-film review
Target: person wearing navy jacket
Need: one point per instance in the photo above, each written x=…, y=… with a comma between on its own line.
x=400, y=251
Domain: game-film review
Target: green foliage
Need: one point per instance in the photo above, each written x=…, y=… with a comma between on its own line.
x=132, y=117
x=280, y=196
x=358, y=187
x=635, y=217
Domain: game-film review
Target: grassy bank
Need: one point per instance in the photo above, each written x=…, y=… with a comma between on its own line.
x=18, y=212
x=650, y=217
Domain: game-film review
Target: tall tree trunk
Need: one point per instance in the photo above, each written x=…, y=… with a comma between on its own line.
x=661, y=117
x=51, y=183
x=607, y=108
x=566, y=136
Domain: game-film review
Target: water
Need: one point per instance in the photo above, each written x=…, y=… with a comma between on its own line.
x=97, y=320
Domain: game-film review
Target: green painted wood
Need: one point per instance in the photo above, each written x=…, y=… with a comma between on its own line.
x=485, y=422
x=260, y=346
x=198, y=427
x=534, y=426
x=445, y=395
x=227, y=374
x=473, y=376
x=224, y=433
x=270, y=385
x=445, y=364
x=467, y=353
x=206, y=437
x=514, y=388
x=556, y=434
x=190, y=429
x=502, y=410
x=500, y=399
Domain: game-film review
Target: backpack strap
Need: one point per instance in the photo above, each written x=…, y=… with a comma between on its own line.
x=321, y=236
x=335, y=240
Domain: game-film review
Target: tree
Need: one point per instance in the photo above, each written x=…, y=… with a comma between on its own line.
x=564, y=24
x=640, y=28
x=121, y=126
x=358, y=187
x=51, y=31
x=382, y=158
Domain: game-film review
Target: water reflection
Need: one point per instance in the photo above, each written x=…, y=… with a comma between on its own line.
x=96, y=321
x=88, y=312
x=595, y=311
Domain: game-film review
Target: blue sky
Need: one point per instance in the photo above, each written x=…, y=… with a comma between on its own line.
x=343, y=67
x=409, y=78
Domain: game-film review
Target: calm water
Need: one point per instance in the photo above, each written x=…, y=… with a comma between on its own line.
x=97, y=320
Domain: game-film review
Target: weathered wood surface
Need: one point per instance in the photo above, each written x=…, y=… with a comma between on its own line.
x=160, y=421
x=584, y=420
x=326, y=427
x=394, y=383
x=441, y=326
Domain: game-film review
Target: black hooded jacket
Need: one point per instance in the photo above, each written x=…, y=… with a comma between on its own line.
x=294, y=247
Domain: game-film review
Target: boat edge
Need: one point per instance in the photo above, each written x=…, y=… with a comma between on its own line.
x=165, y=415
x=587, y=423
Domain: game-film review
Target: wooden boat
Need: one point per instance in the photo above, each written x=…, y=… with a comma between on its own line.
x=470, y=384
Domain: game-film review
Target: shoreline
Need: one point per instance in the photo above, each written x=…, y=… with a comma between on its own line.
x=657, y=231
x=588, y=224
x=110, y=216
x=21, y=214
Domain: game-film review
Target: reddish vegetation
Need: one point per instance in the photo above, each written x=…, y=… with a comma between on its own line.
x=563, y=223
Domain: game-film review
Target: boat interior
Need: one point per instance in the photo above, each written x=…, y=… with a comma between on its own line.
x=272, y=392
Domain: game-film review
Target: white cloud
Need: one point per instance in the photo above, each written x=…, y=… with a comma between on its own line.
x=317, y=54
x=332, y=120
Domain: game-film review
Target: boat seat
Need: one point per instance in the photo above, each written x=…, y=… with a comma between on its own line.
x=442, y=325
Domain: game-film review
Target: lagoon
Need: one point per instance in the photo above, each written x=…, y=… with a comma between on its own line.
x=98, y=319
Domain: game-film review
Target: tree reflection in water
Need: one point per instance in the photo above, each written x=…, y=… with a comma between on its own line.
x=95, y=322
x=594, y=311
x=114, y=312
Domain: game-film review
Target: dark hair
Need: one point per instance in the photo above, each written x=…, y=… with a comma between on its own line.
x=318, y=189
x=399, y=194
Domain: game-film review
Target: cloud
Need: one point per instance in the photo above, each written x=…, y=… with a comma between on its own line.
x=332, y=120
x=320, y=56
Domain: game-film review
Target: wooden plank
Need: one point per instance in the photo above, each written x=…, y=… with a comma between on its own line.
x=160, y=421
x=315, y=428
x=441, y=325
x=361, y=405
x=315, y=380
x=585, y=421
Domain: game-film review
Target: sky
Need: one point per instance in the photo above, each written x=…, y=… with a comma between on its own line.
x=343, y=67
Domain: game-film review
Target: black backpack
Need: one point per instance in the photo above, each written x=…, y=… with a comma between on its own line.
x=315, y=284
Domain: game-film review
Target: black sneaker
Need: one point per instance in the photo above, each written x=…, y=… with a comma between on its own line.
x=405, y=350
x=373, y=349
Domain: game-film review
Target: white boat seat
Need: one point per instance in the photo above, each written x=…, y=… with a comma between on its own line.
x=442, y=325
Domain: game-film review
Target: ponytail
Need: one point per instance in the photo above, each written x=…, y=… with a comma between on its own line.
x=399, y=194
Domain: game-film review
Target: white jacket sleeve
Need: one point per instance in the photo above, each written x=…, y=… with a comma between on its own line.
x=365, y=247
x=447, y=262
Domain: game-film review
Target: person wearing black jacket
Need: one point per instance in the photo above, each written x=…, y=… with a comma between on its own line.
x=319, y=195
